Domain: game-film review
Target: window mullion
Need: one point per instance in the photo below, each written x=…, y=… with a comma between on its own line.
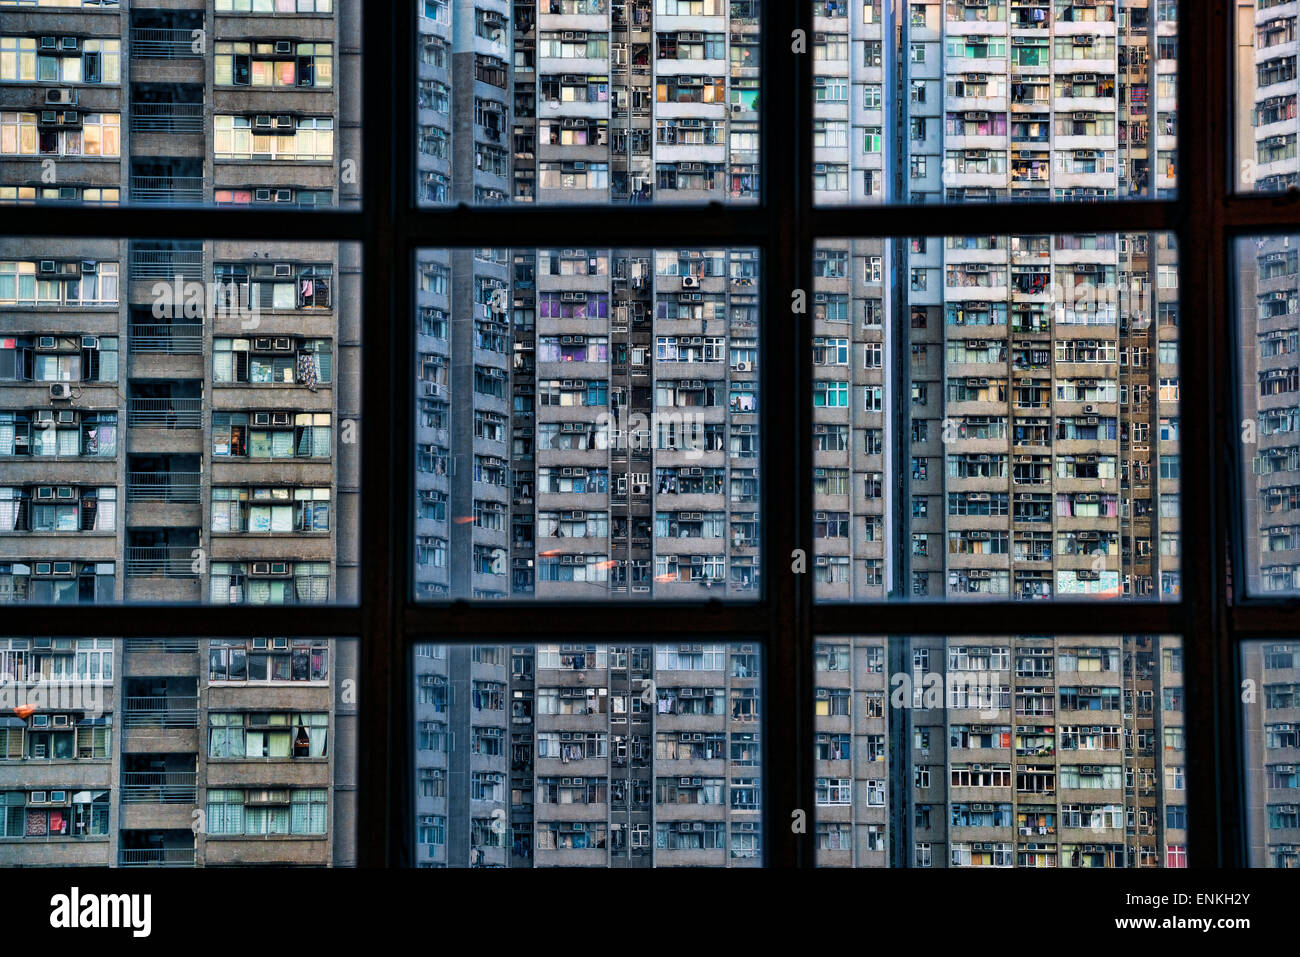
x=1206, y=33
x=384, y=754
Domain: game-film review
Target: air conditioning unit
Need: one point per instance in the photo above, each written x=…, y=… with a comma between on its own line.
x=690, y=282
x=60, y=97
x=60, y=391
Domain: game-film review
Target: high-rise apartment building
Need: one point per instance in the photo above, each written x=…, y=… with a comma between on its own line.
x=995, y=415
x=1271, y=742
x=930, y=752
x=176, y=752
x=1266, y=329
x=594, y=394
x=204, y=386
x=587, y=423
x=1266, y=296
x=587, y=755
x=1028, y=751
x=987, y=406
x=174, y=427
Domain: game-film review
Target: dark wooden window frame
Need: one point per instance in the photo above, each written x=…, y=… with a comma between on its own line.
x=1213, y=614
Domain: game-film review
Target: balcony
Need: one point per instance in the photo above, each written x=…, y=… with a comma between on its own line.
x=160, y=561
x=167, y=117
x=178, y=339
x=166, y=190
x=166, y=263
x=170, y=487
x=181, y=413
x=168, y=711
x=156, y=857
x=159, y=787
x=163, y=43
x=162, y=646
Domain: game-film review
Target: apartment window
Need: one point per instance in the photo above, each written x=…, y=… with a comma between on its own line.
x=268, y=660
x=69, y=133
x=273, y=137
x=281, y=63
x=267, y=811
x=258, y=734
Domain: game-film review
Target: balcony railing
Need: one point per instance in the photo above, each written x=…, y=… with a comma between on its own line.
x=167, y=263
x=164, y=413
x=167, y=117
x=166, y=190
x=167, y=339
x=173, y=711
x=159, y=787
x=162, y=486
x=160, y=561
x=163, y=43
x=156, y=857
x=169, y=646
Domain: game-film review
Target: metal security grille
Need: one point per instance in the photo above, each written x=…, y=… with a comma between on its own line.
x=1212, y=614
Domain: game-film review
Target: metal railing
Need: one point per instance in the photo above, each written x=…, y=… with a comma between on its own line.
x=160, y=561
x=166, y=190
x=156, y=857
x=168, y=264
x=164, y=413
x=172, y=646
x=163, y=43
x=172, y=711
x=162, y=486
x=167, y=339
x=159, y=787
x=167, y=117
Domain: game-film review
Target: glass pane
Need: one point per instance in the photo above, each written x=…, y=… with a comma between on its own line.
x=994, y=100
x=996, y=416
x=1268, y=330
x=181, y=107
x=588, y=101
x=178, y=421
x=1266, y=96
x=594, y=432
x=1025, y=751
x=1271, y=696
x=135, y=753
x=577, y=755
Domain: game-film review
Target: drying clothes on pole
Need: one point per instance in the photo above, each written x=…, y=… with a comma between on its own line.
x=307, y=374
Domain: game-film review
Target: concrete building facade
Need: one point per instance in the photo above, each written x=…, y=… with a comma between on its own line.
x=175, y=426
